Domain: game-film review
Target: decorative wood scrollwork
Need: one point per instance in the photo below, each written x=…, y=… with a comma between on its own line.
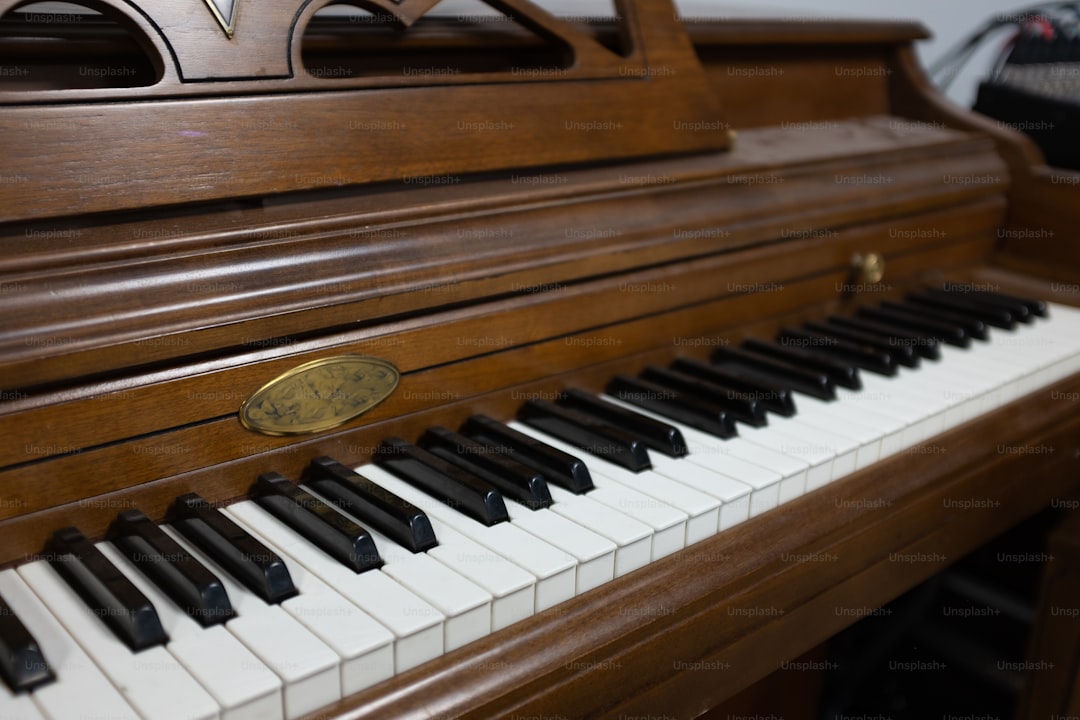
x=226, y=102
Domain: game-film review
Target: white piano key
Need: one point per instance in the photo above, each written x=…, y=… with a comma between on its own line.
x=595, y=554
x=764, y=483
x=668, y=523
x=555, y=569
x=792, y=442
x=466, y=605
x=77, y=677
x=17, y=707
x=814, y=442
x=867, y=428
x=308, y=668
x=701, y=509
x=365, y=647
x=888, y=419
x=416, y=625
x=784, y=476
x=735, y=496
x=152, y=681
x=633, y=539
x=242, y=685
x=513, y=590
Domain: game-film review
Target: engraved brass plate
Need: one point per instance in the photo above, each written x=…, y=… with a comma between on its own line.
x=319, y=395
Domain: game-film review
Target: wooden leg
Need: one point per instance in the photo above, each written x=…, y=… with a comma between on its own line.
x=1052, y=675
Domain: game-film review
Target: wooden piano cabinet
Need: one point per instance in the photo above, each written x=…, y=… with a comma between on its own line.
x=789, y=693
x=137, y=314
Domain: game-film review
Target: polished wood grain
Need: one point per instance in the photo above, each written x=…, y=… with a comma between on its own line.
x=168, y=274
x=219, y=458
x=235, y=117
x=242, y=279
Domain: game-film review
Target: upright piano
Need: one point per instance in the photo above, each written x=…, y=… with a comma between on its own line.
x=249, y=249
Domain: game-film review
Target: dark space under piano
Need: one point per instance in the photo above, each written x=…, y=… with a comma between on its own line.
x=649, y=197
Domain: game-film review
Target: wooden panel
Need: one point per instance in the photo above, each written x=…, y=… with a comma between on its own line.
x=219, y=286
x=208, y=147
x=763, y=86
x=812, y=34
x=660, y=309
x=219, y=459
x=157, y=401
x=790, y=692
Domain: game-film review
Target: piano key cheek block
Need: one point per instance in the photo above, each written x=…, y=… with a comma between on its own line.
x=405, y=362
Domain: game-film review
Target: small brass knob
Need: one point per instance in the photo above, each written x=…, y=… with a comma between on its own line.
x=869, y=268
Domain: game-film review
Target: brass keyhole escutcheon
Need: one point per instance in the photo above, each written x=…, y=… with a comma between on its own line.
x=869, y=268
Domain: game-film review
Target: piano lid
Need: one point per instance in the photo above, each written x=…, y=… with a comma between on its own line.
x=193, y=102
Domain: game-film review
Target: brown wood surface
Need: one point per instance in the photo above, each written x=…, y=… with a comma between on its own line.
x=138, y=293
x=135, y=320
x=451, y=361
x=234, y=118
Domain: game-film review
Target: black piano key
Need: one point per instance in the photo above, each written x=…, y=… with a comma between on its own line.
x=862, y=356
x=841, y=373
x=678, y=406
x=338, y=536
x=400, y=520
x=749, y=384
x=458, y=488
x=973, y=326
x=1034, y=307
x=105, y=590
x=923, y=344
x=902, y=354
x=22, y=664
x=558, y=467
x=254, y=565
x=809, y=382
x=943, y=331
x=594, y=436
x=183, y=578
x=1018, y=310
x=516, y=480
x=741, y=405
x=994, y=316
x=657, y=435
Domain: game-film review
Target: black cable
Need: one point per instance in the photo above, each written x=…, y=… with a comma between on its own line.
x=945, y=70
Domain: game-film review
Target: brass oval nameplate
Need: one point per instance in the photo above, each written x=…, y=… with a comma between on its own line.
x=319, y=395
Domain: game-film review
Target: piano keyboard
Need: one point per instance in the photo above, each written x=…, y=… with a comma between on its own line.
x=278, y=606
